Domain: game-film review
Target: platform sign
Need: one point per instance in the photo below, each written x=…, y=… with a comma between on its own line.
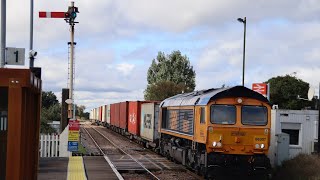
x=15, y=56
x=72, y=146
x=73, y=136
x=261, y=88
x=74, y=125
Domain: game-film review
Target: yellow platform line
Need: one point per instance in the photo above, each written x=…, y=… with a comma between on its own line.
x=76, y=168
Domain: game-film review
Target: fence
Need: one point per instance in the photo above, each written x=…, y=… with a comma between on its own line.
x=49, y=145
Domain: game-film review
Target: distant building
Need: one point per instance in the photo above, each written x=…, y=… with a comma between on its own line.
x=55, y=125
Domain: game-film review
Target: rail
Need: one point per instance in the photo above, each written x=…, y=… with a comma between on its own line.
x=140, y=164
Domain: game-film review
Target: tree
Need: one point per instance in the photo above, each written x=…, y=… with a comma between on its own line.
x=49, y=99
x=80, y=111
x=285, y=89
x=50, y=111
x=173, y=68
x=163, y=90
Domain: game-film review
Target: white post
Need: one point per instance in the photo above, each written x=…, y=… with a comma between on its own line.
x=51, y=145
x=41, y=145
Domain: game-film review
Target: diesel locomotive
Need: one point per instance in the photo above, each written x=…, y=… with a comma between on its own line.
x=214, y=129
x=208, y=131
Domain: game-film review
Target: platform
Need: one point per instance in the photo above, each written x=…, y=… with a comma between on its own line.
x=53, y=168
x=77, y=167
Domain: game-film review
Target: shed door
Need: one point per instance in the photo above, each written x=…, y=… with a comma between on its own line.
x=3, y=130
x=200, y=124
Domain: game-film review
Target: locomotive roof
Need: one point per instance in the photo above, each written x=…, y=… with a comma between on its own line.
x=200, y=98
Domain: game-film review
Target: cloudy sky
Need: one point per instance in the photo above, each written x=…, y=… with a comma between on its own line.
x=117, y=40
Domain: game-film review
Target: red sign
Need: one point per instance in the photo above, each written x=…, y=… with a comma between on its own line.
x=261, y=88
x=74, y=125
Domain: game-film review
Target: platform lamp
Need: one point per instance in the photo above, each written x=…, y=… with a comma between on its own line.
x=244, y=21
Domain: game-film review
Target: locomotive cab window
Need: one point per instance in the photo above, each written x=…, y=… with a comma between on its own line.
x=223, y=114
x=254, y=115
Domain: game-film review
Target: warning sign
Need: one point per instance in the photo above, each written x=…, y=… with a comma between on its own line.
x=73, y=136
x=74, y=125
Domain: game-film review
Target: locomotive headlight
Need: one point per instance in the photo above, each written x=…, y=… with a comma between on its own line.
x=262, y=146
x=214, y=144
x=257, y=146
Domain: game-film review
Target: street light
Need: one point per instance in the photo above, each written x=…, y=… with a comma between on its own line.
x=244, y=21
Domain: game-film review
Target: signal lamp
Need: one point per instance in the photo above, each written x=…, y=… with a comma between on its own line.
x=66, y=15
x=73, y=15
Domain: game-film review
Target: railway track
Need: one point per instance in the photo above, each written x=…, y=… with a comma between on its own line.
x=121, y=160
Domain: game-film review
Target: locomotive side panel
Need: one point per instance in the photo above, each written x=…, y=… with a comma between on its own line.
x=179, y=120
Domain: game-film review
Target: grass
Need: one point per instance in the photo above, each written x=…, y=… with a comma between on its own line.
x=302, y=167
x=81, y=149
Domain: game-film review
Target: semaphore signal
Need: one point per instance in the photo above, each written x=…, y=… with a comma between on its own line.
x=69, y=17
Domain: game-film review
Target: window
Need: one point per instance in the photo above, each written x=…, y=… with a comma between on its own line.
x=202, y=115
x=254, y=115
x=223, y=114
x=293, y=129
x=293, y=135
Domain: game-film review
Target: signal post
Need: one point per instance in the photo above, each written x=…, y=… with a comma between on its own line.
x=69, y=17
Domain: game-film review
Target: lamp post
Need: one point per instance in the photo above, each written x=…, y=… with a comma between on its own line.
x=244, y=21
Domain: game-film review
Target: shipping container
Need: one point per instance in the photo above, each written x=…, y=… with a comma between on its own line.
x=108, y=114
x=103, y=119
x=96, y=114
x=149, y=121
x=134, y=117
x=123, y=117
x=114, y=117
x=100, y=113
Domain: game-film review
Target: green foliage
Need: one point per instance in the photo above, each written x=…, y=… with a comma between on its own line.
x=163, y=90
x=48, y=99
x=86, y=115
x=173, y=68
x=80, y=111
x=50, y=111
x=284, y=91
x=82, y=149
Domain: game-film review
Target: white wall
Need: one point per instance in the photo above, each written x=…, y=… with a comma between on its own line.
x=64, y=143
x=303, y=120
